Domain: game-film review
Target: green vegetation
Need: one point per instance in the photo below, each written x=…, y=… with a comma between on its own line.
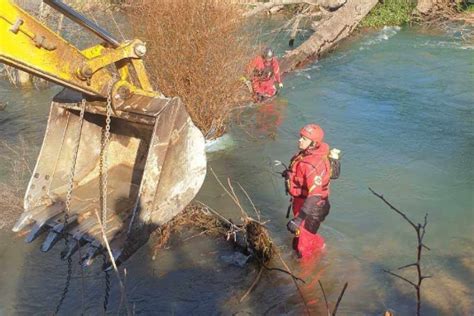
x=465, y=7
x=390, y=12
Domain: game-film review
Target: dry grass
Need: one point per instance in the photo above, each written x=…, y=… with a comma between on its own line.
x=197, y=50
x=12, y=188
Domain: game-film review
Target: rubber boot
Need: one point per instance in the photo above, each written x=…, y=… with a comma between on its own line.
x=309, y=243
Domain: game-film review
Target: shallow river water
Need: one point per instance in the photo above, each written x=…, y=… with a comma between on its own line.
x=397, y=102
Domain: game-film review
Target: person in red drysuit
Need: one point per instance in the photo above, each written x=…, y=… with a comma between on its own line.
x=264, y=72
x=307, y=180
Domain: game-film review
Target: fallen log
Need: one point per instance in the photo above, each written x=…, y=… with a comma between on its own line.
x=339, y=25
x=260, y=7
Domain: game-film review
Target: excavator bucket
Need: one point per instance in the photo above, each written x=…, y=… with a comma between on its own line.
x=155, y=165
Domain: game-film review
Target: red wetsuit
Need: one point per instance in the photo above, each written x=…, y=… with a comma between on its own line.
x=308, y=184
x=264, y=74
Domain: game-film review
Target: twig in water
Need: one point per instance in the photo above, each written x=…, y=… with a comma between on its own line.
x=255, y=282
x=324, y=295
x=294, y=280
x=420, y=233
x=294, y=277
x=339, y=299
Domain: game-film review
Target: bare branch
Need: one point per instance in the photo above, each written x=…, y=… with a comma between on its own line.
x=393, y=208
x=294, y=280
x=400, y=277
x=254, y=284
x=339, y=299
x=408, y=265
x=294, y=277
x=325, y=299
x=251, y=202
x=420, y=233
x=207, y=207
x=221, y=184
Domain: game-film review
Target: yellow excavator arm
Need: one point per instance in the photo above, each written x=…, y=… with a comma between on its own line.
x=31, y=46
x=115, y=154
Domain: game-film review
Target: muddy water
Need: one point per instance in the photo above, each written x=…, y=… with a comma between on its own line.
x=398, y=102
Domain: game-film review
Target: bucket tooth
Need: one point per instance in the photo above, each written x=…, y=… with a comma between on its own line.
x=78, y=234
x=55, y=234
x=40, y=227
x=52, y=238
x=38, y=214
x=91, y=253
x=35, y=232
x=24, y=221
x=69, y=251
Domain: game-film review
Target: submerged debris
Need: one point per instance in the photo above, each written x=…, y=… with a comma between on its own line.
x=251, y=237
x=259, y=240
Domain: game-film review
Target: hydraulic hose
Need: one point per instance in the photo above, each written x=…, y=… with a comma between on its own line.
x=83, y=21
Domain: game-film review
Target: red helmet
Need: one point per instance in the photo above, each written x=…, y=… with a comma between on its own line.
x=313, y=132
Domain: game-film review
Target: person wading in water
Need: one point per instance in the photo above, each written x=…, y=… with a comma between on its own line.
x=307, y=181
x=264, y=72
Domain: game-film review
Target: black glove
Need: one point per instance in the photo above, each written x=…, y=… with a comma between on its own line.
x=294, y=225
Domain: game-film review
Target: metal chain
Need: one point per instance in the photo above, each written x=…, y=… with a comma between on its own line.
x=73, y=166
x=68, y=204
x=66, y=286
x=104, y=161
x=107, y=284
x=104, y=166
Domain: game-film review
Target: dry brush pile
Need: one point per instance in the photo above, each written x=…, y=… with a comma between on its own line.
x=197, y=50
x=250, y=236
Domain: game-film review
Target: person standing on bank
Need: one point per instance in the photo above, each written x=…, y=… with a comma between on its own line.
x=307, y=181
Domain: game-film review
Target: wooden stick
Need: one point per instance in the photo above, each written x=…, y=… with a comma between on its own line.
x=251, y=202
x=325, y=299
x=255, y=282
x=339, y=299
